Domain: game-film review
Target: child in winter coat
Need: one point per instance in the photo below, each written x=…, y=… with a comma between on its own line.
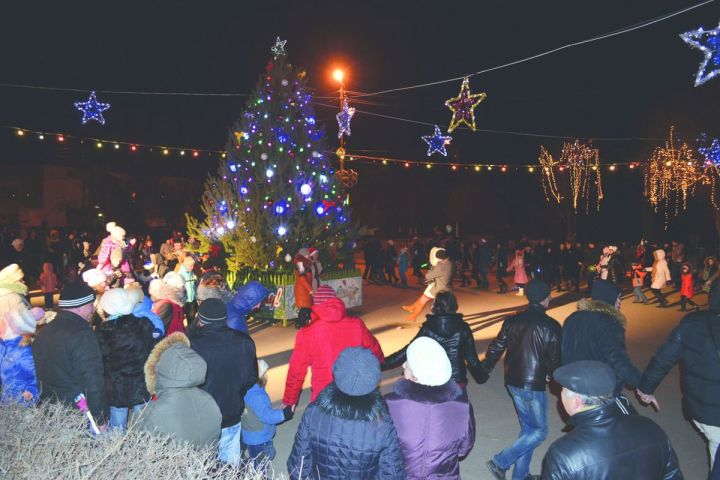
x=259, y=420
x=638, y=280
x=403, y=265
x=303, y=288
x=686, y=287
x=660, y=277
x=48, y=284
x=518, y=265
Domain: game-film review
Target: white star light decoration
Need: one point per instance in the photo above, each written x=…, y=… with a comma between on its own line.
x=708, y=42
x=436, y=142
x=343, y=119
x=279, y=48
x=92, y=109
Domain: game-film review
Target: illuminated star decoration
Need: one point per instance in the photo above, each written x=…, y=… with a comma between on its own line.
x=343, y=119
x=279, y=48
x=707, y=42
x=463, y=106
x=92, y=109
x=710, y=152
x=436, y=142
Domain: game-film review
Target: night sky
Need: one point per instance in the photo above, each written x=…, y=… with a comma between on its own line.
x=632, y=85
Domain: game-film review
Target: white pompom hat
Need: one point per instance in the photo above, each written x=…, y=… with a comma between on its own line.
x=428, y=362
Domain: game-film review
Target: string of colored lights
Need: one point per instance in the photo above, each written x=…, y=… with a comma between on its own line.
x=166, y=150
x=604, y=36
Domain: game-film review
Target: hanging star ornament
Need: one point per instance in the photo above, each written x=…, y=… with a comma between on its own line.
x=710, y=151
x=707, y=42
x=92, y=109
x=463, y=106
x=343, y=119
x=279, y=48
x=436, y=142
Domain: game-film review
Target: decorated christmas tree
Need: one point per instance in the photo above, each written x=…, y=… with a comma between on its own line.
x=275, y=191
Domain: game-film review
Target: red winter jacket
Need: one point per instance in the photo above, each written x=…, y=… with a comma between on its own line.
x=686, y=285
x=318, y=345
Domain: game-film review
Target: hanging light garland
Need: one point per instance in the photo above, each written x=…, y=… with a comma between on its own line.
x=547, y=164
x=671, y=175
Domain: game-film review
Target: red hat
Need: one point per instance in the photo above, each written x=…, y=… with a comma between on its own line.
x=323, y=294
x=311, y=250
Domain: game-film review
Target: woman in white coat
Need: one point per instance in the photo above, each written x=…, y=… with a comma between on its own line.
x=660, y=277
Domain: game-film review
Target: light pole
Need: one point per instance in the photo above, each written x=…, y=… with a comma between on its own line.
x=347, y=177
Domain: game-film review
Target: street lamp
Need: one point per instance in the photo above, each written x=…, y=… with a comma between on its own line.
x=338, y=75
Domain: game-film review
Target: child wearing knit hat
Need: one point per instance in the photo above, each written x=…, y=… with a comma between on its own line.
x=259, y=420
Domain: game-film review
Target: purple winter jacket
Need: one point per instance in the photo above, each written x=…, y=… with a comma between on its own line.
x=435, y=426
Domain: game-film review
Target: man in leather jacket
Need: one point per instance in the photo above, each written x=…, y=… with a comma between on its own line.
x=605, y=443
x=532, y=341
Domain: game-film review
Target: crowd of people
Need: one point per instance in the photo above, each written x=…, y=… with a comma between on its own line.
x=156, y=340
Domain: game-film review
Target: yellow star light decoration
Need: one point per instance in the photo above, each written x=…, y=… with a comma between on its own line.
x=671, y=175
x=463, y=106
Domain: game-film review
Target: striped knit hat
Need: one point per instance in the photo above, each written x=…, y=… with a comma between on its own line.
x=323, y=294
x=76, y=295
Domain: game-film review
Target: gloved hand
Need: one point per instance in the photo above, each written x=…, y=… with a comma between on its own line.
x=288, y=412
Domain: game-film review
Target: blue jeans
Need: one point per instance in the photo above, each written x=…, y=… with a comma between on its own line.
x=262, y=454
x=531, y=407
x=639, y=294
x=119, y=416
x=229, y=451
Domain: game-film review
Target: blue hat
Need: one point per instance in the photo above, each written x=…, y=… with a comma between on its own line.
x=356, y=371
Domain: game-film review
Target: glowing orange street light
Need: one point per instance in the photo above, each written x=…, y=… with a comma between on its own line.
x=338, y=75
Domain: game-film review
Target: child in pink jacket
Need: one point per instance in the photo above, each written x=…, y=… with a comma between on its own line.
x=518, y=265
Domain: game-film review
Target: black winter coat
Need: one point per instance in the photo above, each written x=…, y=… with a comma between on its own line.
x=692, y=342
x=68, y=362
x=231, y=367
x=532, y=341
x=597, y=332
x=456, y=338
x=125, y=343
x=606, y=443
x=342, y=437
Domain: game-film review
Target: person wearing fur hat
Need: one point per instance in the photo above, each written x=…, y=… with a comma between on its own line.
x=318, y=345
x=531, y=343
x=17, y=321
x=259, y=420
x=432, y=414
x=168, y=296
x=596, y=331
x=437, y=279
x=179, y=407
x=67, y=355
x=348, y=431
x=125, y=342
x=448, y=328
x=231, y=370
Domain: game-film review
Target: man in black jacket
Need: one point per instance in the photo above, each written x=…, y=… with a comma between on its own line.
x=231, y=370
x=695, y=341
x=596, y=331
x=532, y=341
x=605, y=443
x=67, y=355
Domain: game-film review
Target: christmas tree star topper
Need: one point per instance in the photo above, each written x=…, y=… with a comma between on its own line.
x=92, y=109
x=463, y=106
x=436, y=142
x=708, y=42
x=279, y=48
x=343, y=119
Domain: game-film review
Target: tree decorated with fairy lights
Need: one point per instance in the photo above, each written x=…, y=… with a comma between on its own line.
x=275, y=191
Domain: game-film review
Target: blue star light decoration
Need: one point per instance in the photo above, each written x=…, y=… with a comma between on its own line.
x=436, y=142
x=708, y=42
x=279, y=48
x=343, y=119
x=710, y=152
x=92, y=109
